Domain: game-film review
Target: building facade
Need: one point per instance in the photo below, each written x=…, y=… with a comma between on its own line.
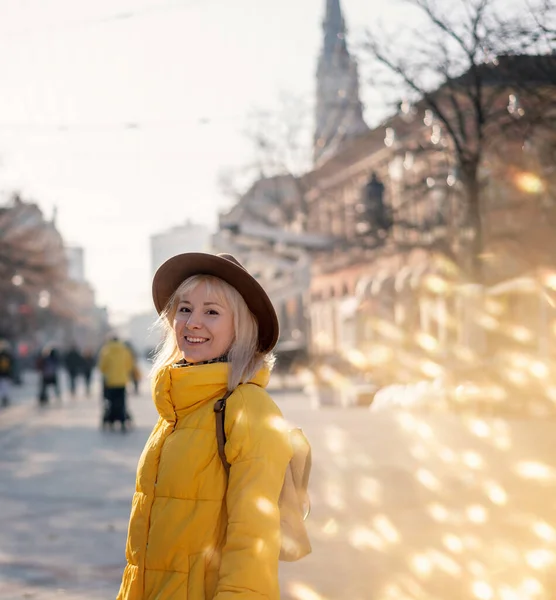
x=189, y=237
x=264, y=230
x=395, y=292
x=45, y=297
x=391, y=288
x=338, y=108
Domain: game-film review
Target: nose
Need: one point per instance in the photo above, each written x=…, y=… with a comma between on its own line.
x=193, y=321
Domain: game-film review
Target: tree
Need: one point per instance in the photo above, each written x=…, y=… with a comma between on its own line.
x=33, y=267
x=29, y=246
x=282, y=153
x=483, y=77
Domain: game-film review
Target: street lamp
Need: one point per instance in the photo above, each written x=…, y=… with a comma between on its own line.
x=44, y=299
x=17, y=280
x=529, y=183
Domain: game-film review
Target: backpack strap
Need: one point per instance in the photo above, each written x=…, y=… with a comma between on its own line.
x=220, y=412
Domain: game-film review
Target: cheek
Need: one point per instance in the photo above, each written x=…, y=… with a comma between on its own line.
x=177, y=325
x=231, y=334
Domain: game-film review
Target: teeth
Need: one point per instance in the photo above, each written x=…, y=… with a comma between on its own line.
x=195, y=340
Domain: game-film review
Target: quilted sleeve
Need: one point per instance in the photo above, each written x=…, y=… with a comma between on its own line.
x=258, y=451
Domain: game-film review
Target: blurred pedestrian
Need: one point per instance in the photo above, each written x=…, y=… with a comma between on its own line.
x=7, y=372
x=88, y=364
x=48, y=365
x=135, y=372
x=73, y=362
x=115, y=363
x=212, y=531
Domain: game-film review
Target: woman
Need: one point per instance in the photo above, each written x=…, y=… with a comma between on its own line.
x=196, y=533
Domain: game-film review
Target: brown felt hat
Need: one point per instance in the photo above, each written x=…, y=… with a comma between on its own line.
x=171, y=274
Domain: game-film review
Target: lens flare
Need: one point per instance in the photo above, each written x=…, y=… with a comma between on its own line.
x=529, y=183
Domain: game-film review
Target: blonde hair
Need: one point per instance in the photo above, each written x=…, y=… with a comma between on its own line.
x=244, y=358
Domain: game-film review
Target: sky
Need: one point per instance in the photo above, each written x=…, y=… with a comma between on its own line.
x=122, y=114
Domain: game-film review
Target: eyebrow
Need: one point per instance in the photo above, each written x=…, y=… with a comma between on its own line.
x=204, y=303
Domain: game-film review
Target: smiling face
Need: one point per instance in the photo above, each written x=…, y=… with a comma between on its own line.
x=203, y=324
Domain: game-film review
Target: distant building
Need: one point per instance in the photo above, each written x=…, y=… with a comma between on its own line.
x=264, y=230
x=139, y=331
x=90, y=324
x=76, y=263
x=366, y=257
x=189, y=237
x=44, y=295
x=338, y=110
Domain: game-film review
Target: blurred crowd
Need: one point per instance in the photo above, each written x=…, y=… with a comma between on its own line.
x=70, y=371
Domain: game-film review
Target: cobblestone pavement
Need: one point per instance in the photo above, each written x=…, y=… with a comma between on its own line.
x=405, y=505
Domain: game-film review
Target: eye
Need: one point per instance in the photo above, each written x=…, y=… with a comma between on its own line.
x=184, y=309
x=211, y=311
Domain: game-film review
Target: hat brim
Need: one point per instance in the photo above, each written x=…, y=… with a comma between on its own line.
x=171, y=274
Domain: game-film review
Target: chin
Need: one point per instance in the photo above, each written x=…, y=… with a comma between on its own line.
x=195, y=358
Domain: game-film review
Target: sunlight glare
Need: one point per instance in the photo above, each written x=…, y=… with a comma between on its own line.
x=496, y=493
x=265, y=505
x=421, y=565
x=334, y=495
x=508, y=593
x=534, y=470
x=424, y=430
x=544, y=531
x=476, y=513
x=363, y=538
x=431, y=369
x=370, y=490
x=446, y=563
x=335, y=439
x=419, y=452
x=540, y=559
x=428, y=480
x=447, y=455
x=330, y=528
x=480, y=428
x=438, y=512
x=482, y=590
x=426, y=341
x=386, y=529
x=453, y=543
x=473, y=460
x=538, y=369
x=477, y=568
x=530, y=183
x=300, y=591
x=531, y=587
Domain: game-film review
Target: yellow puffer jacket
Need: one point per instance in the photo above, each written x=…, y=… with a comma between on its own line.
x=115, y=363
x=193, y=536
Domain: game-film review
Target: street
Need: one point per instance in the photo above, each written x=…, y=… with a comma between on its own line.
x=406, y=505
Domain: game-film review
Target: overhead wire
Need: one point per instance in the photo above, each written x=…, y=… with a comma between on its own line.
x=122, y=16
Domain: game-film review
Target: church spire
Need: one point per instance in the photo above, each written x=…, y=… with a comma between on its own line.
x=334, y=29
x=339, y=112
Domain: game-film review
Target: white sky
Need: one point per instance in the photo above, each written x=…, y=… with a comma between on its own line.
x=173, y=64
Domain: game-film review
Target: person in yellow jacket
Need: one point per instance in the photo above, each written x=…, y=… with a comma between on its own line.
x=115, y=362
x=196, y=533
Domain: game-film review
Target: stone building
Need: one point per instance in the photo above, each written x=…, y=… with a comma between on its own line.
x=264, y=230
x=393, y=290
x=338, y=109
x=42, y=299
x=381, y=221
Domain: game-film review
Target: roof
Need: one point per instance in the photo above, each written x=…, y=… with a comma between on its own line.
x=507, y=71
x=515, y=69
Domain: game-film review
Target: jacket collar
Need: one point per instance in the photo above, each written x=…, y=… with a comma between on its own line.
x=178, y=391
